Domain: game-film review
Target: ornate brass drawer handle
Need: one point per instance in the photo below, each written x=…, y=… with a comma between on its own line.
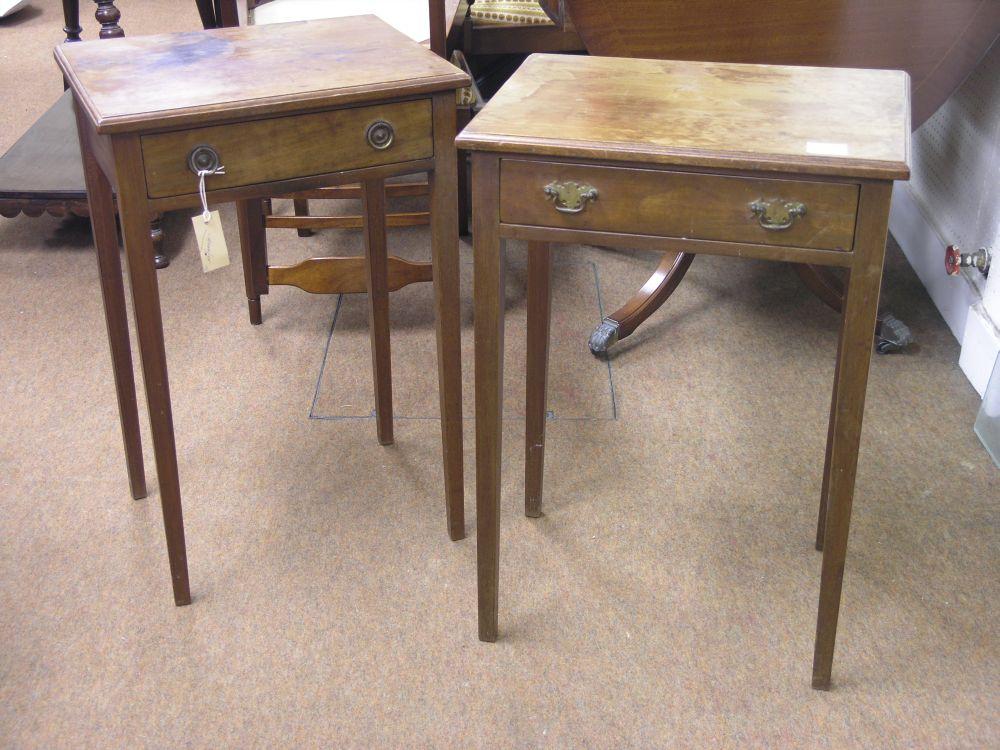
x=570, y=197
x=775, y=215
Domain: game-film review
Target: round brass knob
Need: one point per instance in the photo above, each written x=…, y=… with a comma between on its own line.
x=380, y=135
x=203, y=159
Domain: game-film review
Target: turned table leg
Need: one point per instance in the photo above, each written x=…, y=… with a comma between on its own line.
x=160, y=260
x=489, y=314
x=539, y=320
x=853, y=360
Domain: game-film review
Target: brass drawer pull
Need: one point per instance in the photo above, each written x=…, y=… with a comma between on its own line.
x=380, y=135
x=570, y=197
x=775, y=215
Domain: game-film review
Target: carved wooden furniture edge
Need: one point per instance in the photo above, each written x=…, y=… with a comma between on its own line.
x=35, y=207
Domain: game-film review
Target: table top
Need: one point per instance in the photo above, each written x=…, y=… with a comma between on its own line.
x=832, y=121
x=209, y=77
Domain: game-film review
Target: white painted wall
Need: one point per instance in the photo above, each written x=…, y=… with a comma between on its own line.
x=953, y=198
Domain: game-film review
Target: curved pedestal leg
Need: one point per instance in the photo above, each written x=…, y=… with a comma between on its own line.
x=891, y=334
x=654, y=293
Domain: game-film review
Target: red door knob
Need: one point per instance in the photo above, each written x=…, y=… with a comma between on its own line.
x=952, y=260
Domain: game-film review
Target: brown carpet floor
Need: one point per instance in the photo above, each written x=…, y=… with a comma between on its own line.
x=666, y=599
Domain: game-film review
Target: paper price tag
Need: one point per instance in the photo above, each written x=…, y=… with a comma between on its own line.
x=211, y=241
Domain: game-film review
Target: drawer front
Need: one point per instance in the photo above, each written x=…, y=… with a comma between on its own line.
x=283, y=148
x=679, y=204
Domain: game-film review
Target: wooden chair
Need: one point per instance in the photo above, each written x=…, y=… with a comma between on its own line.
x=43, y=171
x=513, y=27
x=938, y=42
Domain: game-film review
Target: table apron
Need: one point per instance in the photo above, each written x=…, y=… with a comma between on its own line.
x=811, y=256
x=282, y=187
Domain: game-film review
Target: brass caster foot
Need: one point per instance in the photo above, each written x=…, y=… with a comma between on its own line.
x=892, y=335
x=605, y=336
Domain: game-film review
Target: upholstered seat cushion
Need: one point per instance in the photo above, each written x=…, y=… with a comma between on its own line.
x=508, y=12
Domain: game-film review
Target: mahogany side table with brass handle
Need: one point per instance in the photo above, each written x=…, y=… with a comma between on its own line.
x=681, y=165
x=253, y=112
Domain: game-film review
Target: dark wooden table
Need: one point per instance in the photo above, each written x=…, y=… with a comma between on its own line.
x=283, y=108
x=768, y=162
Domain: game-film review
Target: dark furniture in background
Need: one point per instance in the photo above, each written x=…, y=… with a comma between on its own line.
x=43, y=171
x=938, y=42
x=478, y=39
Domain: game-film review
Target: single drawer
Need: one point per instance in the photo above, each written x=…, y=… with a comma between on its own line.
x=679, y=204
x=283, y=148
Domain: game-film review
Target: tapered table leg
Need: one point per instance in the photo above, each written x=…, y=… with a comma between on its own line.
x=489, y=313
x=854, y=357
x=134, y=213
x=301, y=208
x=253, y=248
x=825, y=492
x=377, y=270
x=539, y=320
x=447, y=309
x=102, y=220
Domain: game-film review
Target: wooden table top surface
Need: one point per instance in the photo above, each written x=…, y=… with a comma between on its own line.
x=201, y=77
x=831, y=121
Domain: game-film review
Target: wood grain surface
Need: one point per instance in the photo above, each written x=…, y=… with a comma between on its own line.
x=296, y=146
x=345, y=275
x=775, y=118
x=938, y=42
x=679, y=204
x=196, y=77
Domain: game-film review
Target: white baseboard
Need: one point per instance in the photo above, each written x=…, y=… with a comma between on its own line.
x=980, y=348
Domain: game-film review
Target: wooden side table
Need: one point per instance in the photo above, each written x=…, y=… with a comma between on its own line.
x=778, y=163
x=283, y=108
